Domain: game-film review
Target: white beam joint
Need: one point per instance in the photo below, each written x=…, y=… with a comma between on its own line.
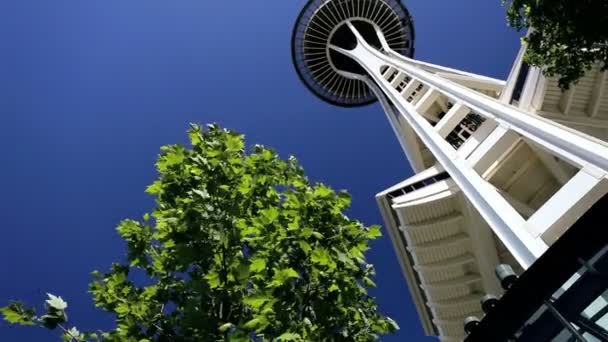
x=566, y=206
x=451, y=119
x=430, y=96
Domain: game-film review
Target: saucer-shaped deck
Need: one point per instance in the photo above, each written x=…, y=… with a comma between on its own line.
x=316, y=26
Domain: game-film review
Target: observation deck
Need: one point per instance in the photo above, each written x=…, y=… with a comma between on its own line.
x=322, y=22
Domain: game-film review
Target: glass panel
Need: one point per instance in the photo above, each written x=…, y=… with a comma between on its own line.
x=596, y=306
x=563, y=336
x=603, y=322
x=591, y=338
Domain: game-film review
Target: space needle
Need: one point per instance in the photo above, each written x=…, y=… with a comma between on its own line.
x=504, y=170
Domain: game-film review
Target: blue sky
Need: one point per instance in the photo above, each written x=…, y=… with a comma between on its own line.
x=89, y=90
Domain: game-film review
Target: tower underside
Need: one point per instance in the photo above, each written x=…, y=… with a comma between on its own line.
x=503, y=169
x=489, y=189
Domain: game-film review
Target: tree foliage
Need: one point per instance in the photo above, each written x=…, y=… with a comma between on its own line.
x=567, y=36
x=240, y=247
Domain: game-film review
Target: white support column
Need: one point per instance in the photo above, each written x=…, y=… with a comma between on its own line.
x=484, y=246
x=507, y=93
x=539, y=94
x=530, y=88
x=404, y=136
x=500, y=215
x=565, y=103
x=596, y=96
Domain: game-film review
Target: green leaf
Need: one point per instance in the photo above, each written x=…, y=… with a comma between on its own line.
x=154, y=188
x=195, y=135
x=202, y=193
x=270, y=214
x=294, y=225
x=234, y=143
x=257, y=265
x=226, y=326
x=242, y=271
x=288, y=336
x=213, y=279
x=317, y=235
x=368, y=282
x=306, y=232
x=245, y=186
x=344, y=198
x=374, y=232
x=320, y=256
x=16, y=313
x=56, y=302
x=322, y=191
x=122, y=309
x=213, y=153
x=305, y=246
x=281, y=276
x=146, y=217
x=252, y=324
x=174, y=158
x=394, y=326
x=256, y=301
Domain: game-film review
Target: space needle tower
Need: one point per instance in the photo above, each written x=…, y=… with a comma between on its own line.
x=507, y=173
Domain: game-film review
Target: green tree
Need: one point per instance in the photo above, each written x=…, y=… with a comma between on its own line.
x=567, y=36
x=240, y=247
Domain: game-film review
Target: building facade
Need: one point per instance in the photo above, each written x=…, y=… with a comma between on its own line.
x=504, y=170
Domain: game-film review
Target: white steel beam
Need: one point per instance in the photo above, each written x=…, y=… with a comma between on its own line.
x=573, y=145
x=596, y=96
x=565, y=102
x=404, y=133
x=473, y=82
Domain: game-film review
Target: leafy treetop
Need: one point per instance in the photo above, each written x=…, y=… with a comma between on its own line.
x=240, y=247
x=567, y=36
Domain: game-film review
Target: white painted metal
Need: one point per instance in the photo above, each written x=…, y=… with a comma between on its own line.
x=501, y=216
x=444, y=228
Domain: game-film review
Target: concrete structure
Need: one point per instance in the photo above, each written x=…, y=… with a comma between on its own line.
x=503, y=168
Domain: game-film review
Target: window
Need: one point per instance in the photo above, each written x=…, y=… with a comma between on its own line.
x=519, y=83
x=419, y=185
x=465, y=129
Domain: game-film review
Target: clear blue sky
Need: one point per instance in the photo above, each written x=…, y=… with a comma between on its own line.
x=89, y=90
